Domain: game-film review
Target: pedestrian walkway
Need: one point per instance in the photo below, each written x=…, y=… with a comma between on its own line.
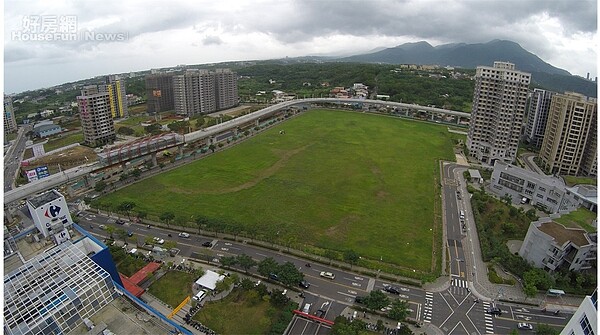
x=488, y=319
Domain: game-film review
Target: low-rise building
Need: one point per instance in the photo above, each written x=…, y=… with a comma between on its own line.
x=45, y=130
x=551, y=246
x=524, y=186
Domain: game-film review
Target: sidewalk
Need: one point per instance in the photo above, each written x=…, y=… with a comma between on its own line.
x=479, y=283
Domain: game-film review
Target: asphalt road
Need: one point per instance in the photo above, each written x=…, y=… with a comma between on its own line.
x=12, y=160
x=453, y=310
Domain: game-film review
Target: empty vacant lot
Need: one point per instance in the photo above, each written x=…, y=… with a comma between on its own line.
x=336, y=180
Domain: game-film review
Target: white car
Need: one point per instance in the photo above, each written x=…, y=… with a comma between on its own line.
x=159, y=240
x=186, y=235
x=526, y=326
x=327, y=275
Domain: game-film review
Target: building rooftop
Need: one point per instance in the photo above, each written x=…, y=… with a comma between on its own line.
x=562, y=234
x=44, y=198
x=123, y=317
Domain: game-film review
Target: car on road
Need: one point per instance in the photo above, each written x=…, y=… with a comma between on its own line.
x=327, y=275
x=391, y=289
x=102, y=226
x=273, y=276
x=184, y=235
x=304, y=284
x=159, y=240
x=120, y=221
x=207, y=244
x=130, y=233
x=525, y=326
x=494, y=311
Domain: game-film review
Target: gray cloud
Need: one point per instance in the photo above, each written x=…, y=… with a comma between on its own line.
x=212, y=40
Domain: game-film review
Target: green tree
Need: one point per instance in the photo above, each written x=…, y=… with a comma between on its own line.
x=148, y=240
x=278, y=298
x=530, y=290
x=544, y=329
x=170, y=244
x=110, y=230
x=343, y=326
x=222, y=285
x=121, y=233
x=136, y=173
x=212, y=147
x=201, y=222
x=268, y=266
x=229, y=261
x=126, y=207
x=126, y=131
x=289, y=274
x=399, y=310
x=167, y=217
x=351, y=257
x=376, y=300
x=100, y=186
x=245, y=262
x=141, y=215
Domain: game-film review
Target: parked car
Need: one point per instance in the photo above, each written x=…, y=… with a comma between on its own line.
x=207, y=244
x=494, y=311
x=273, y=276
x=327, y=275
x=102, y=226
x=524, y=325
x=130, y=233
x=159, y=240
x=185, y=235
x=304, y=284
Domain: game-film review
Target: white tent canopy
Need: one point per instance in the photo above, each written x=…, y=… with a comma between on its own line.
x=209, y=280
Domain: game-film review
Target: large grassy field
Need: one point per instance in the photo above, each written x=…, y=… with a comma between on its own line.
x=336, y=180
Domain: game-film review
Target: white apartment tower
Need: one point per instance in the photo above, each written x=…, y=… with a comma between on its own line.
x=96, y=118
x=537, y=116
x=499, y=101
x=226, y=90
x=569, y=146
x=10, y=123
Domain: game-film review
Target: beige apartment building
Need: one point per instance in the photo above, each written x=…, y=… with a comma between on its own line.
x=10, y=123
x=569, y=146
x=499, y=102
x=203, y=92
x=96, y=118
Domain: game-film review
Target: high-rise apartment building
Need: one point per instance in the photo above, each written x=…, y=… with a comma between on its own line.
x=202, y=92
x=537, y=116
x=194, y=92
x=226, y=88
x=10, y=122
x=96, y=118
x=159, y=90
x=117, y=96
x=499, y=101
x=569, y=146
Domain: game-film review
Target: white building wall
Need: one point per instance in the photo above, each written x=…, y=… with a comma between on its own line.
x=587, y=310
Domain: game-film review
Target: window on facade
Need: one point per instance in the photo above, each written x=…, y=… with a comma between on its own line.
x=585, y=325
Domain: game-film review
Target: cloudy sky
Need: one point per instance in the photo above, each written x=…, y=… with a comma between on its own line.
x=152, y=34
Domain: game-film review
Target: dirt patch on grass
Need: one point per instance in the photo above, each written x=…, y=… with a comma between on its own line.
x=342, y=229
x=382, y=195
x=264, y=174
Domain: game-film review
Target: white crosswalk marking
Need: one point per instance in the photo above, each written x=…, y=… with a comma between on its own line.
x=488, y=319
x=428, y=308
x=460, y=283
